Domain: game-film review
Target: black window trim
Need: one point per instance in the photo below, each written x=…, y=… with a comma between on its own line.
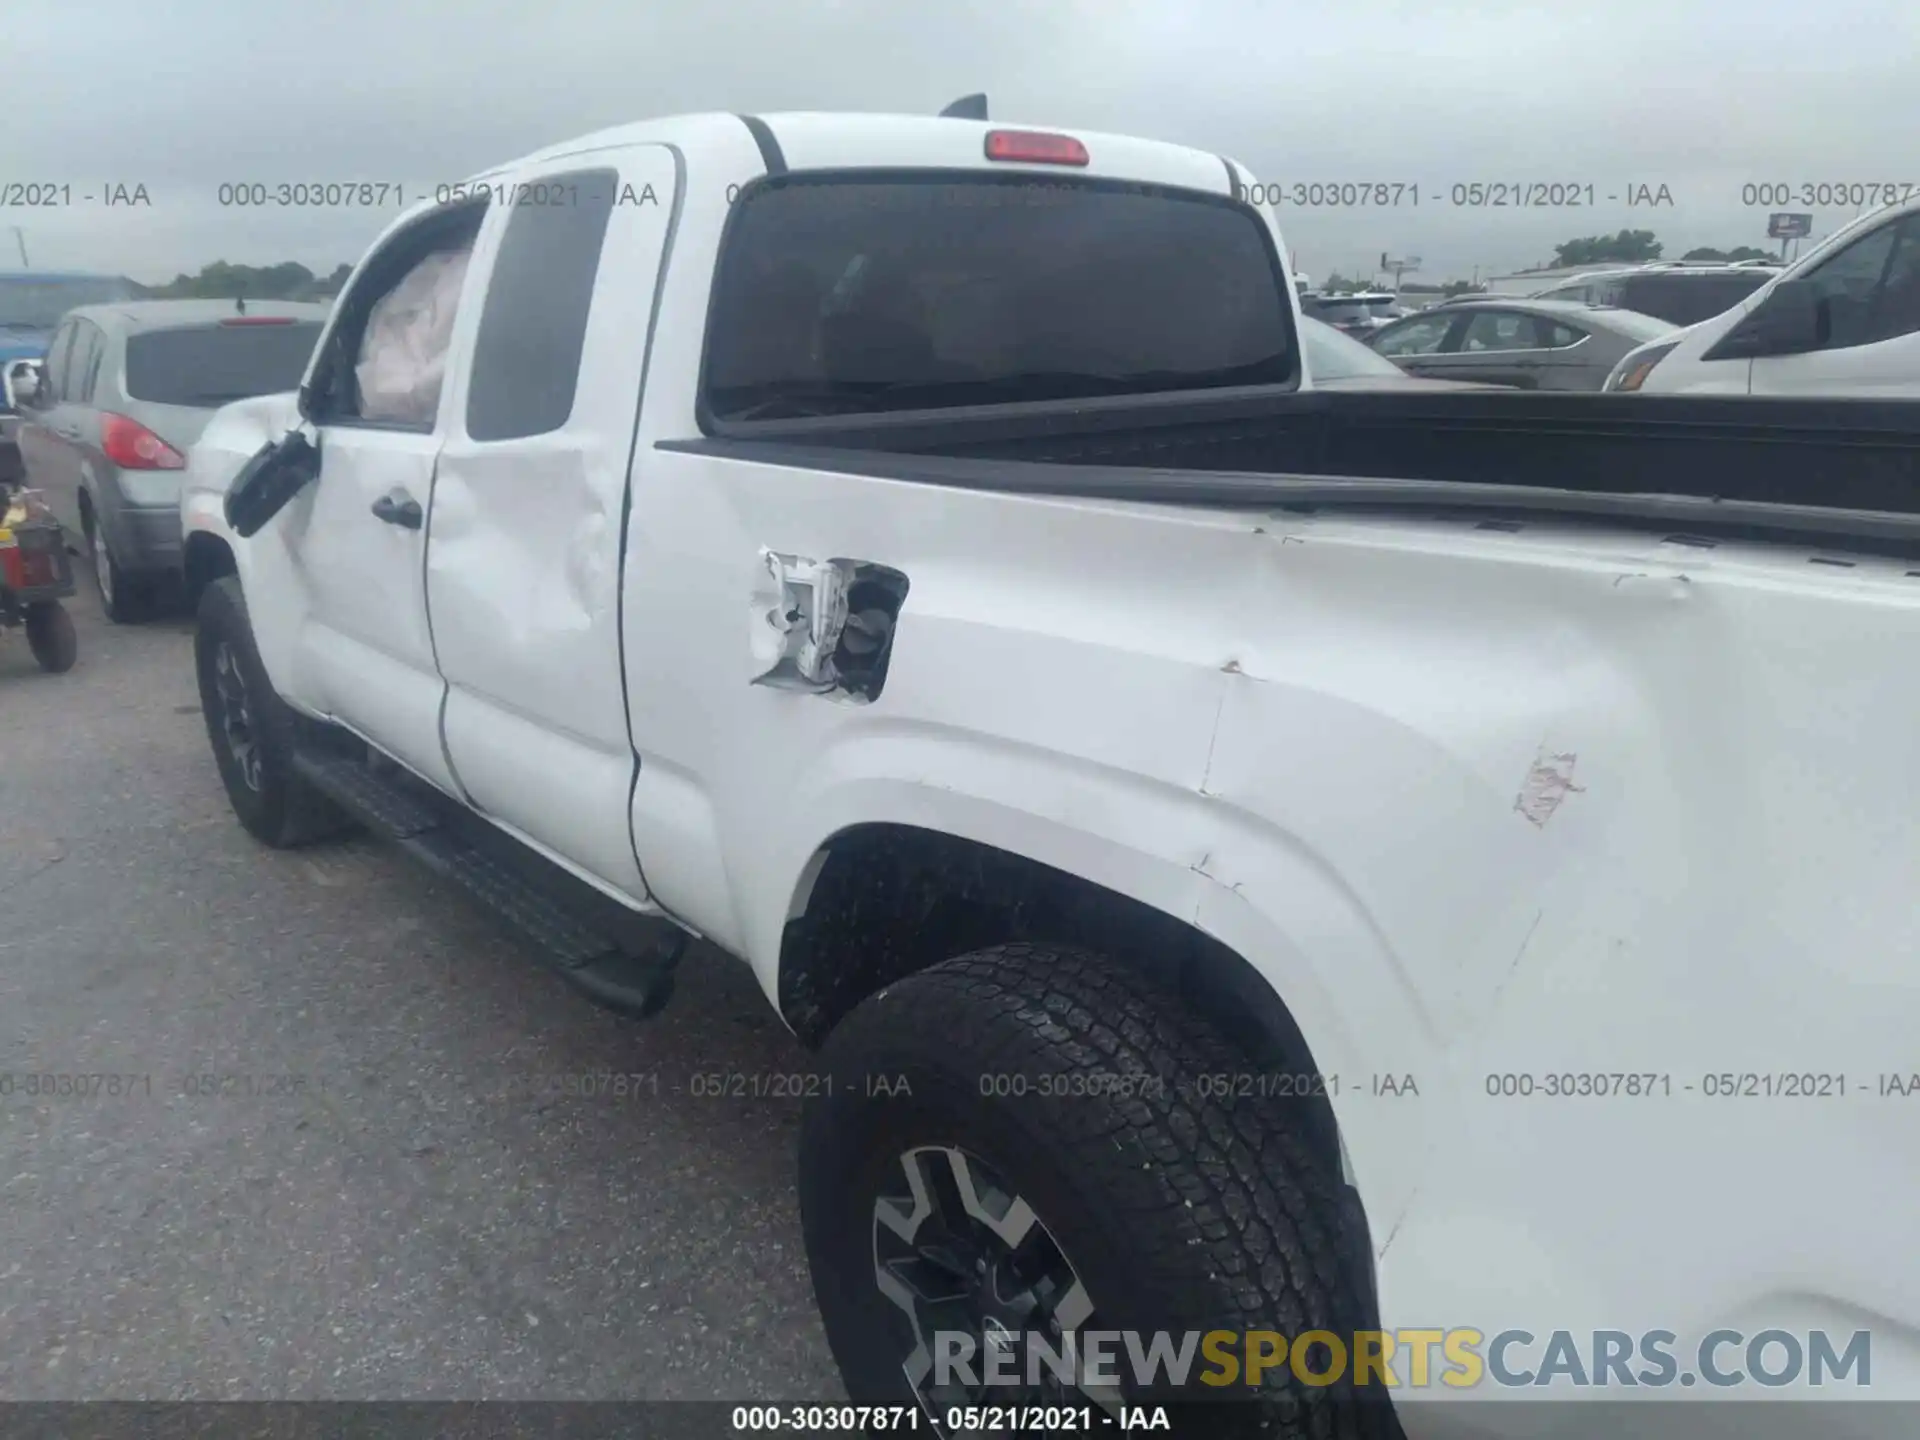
x=354, y=306
x=713, y=426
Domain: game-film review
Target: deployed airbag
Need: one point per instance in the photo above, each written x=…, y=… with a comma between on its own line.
x=403, y=354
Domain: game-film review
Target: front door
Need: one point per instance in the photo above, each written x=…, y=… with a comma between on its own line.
x=356, y=538
x=1870, y=298
x=529, y=503
x=49, y=435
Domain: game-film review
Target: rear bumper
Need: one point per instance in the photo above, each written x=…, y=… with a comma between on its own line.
x=12, y=471
x=147, y=538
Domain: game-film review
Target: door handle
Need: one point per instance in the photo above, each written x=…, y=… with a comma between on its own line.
x=399, y=509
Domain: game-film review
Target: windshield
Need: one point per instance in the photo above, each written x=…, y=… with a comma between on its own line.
x=843, y=296
x=30, y=304
x=1333, y=356
x=207, y=366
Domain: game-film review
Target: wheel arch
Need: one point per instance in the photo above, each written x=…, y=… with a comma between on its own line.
x=205, y=558
x=880, y=900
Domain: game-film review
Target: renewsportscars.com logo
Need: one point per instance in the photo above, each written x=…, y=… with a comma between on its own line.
x=1462, y=1358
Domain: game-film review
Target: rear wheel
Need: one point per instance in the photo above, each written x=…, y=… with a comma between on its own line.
x=252, y=730
x=124, y=597
x=1030, y=1143
x=51, y=637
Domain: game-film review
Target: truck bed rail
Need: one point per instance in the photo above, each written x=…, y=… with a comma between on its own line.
x=1815, y=471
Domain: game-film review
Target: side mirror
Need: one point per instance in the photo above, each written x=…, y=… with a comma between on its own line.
x=277, y=472
x=1790, y=321
x=23, y=384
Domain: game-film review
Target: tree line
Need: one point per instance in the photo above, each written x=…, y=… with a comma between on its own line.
x=1636, y=247
x=223, y=281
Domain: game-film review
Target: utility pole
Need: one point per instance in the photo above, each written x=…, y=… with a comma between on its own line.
x=20, y=239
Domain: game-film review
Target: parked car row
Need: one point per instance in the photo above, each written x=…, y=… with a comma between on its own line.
x=1678, y=294
x=1358, y=315
x=1842, y=320
x=124, y=390
x=1527, y=344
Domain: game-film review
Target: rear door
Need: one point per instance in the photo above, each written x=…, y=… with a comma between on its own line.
x=51, y=440
x=1418, y=345
x=529, y=503
x=1499, y=347
x=1870, y=294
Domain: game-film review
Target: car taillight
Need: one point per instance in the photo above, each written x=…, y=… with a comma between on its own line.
x=1035, y=147
x=132, y=446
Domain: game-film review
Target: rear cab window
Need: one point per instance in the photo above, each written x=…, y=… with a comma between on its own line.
x=205, y=366
x=840, y=295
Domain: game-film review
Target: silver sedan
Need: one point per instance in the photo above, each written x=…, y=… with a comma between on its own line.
x=1527, y=344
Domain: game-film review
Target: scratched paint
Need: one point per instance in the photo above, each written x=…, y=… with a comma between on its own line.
x=1548, y=783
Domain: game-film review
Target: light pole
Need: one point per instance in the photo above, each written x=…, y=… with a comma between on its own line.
x=20, y=239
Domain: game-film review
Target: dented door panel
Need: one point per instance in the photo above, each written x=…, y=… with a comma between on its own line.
x=524, y=555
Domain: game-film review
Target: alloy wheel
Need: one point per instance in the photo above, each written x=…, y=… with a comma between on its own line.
x=236, y=715
x=959, y=1253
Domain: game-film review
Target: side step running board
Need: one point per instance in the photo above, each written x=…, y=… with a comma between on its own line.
x=426, y=827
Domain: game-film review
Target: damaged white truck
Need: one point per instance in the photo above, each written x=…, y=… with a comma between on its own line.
x=1366, y=862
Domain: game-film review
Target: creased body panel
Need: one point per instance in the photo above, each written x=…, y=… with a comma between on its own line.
x=1477, y=804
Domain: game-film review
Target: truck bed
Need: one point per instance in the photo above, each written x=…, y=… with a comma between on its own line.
x=1838, y=472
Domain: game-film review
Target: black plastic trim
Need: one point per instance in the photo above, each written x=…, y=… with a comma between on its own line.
x=770, y=155
x=1816, y=471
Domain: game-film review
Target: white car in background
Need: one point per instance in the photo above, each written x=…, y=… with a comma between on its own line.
x=1843, y=320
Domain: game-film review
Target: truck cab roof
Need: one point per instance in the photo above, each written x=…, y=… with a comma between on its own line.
x=810, y=140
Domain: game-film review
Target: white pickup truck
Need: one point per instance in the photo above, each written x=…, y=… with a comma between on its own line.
x=1251, y=859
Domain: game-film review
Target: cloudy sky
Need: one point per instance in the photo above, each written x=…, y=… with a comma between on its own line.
x=1700, y=97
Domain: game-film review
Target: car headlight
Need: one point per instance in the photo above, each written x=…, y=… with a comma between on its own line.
x=1631, y=373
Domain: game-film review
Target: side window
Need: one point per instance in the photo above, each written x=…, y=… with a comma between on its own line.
x=88, y=342
x=56, y=366
x=526, y=360
x=1559, y=336
x=1849, y=284
x=1896, y=309
x=382, y=360
x=1499, y=330
x=1420, y=336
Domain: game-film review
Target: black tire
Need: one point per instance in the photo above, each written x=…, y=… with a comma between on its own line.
x=51, y=637
x=270, y=798
x=1178, y=1209
x=127, y=599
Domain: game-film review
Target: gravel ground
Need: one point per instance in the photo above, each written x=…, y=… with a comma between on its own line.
x=377, y=1190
